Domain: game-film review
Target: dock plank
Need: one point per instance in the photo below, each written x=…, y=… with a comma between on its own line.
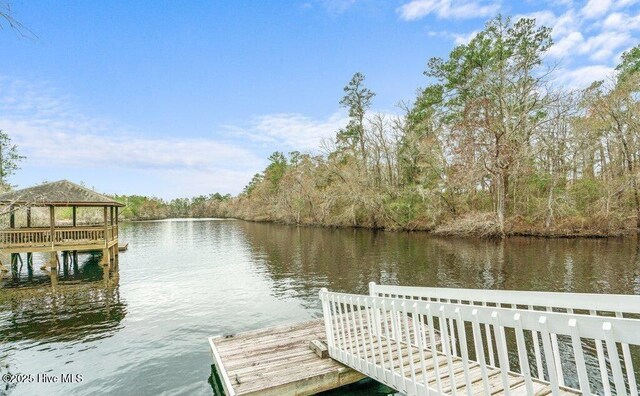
x=277, y=360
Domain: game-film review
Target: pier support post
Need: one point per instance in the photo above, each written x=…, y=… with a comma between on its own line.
x=75, y=263
x=54, y=278
x=106, y=256
x=65, y=263
x=53, y=260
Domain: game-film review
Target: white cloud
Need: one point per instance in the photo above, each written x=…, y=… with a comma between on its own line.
x=53, y=135
x=464, y=38
x=596, y=8
x=624, y=3
x=447, y=9
x=602, y=46
x=333, y=6
x=566, y=45
x=292, y=131
x=543, y=18
x=582, y=77
x=458, y=38
x=622, y=22
x=599, y=48
x=566, y=23
x=48, y=129
x=45, y=143
x=566, y=3
x=561, y=25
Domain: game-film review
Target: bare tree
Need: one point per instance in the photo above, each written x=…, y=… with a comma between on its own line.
x=7, y=19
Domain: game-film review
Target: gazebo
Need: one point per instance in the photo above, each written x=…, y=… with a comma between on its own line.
x=57, y=237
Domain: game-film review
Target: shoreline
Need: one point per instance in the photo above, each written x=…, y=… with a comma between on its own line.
x=528, y=233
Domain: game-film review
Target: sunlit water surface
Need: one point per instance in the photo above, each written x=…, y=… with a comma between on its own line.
x=142, y=328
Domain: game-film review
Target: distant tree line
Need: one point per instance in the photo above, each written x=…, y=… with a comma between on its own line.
x=140, y=207
x=492, y=146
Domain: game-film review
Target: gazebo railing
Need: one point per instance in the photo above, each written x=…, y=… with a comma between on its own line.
x=39, y=237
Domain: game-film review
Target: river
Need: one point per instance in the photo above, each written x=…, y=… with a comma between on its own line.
x=142, y=328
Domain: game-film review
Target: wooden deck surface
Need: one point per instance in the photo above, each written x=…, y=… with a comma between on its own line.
x=278, y=361
x=450, y=376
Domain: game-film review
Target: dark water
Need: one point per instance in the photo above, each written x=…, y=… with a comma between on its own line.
x=142, y=328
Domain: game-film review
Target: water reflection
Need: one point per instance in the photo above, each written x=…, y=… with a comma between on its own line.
x=74, y=303
x=301, y=260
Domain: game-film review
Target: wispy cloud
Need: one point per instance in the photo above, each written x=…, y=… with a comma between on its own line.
x=596, y=8
x=331, y=6
x=290, y=131
x=447, y=9
x=621, y=21
x=458, y=38
x=53, y=134
x=77, y=145
x=48, y=129
x=581, y=77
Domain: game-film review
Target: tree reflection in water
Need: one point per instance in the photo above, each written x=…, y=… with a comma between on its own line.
x=300, y=260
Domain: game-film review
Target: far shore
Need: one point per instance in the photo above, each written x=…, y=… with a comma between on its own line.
x=532, y=233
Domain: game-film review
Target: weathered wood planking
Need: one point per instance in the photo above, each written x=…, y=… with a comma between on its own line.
x=448, y=375
x=278, y=361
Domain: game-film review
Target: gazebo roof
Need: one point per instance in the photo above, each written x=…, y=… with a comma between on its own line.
x=60, y=193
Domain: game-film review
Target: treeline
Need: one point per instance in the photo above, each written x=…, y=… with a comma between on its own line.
x=492, y=146
x=150, y=208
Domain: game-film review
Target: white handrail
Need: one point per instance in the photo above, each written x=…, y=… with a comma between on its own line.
x=407, y=344
x=566, y=301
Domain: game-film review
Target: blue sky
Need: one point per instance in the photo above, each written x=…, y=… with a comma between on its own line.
x=177, y=99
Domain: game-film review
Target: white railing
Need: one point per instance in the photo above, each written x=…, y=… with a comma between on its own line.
x=573, y=303
x=423, y=345
x=594, y=304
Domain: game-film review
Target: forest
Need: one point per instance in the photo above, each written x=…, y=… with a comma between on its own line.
x=492, y=146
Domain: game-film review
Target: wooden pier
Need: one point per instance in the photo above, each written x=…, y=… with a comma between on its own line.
x=278, y=361
x=431, y=341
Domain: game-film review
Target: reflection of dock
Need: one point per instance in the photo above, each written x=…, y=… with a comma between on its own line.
x=70, y=303
x=278, y=361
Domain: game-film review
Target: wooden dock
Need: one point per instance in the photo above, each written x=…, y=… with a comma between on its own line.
x=423, y=341
x=278, y=361
x=123, y=247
